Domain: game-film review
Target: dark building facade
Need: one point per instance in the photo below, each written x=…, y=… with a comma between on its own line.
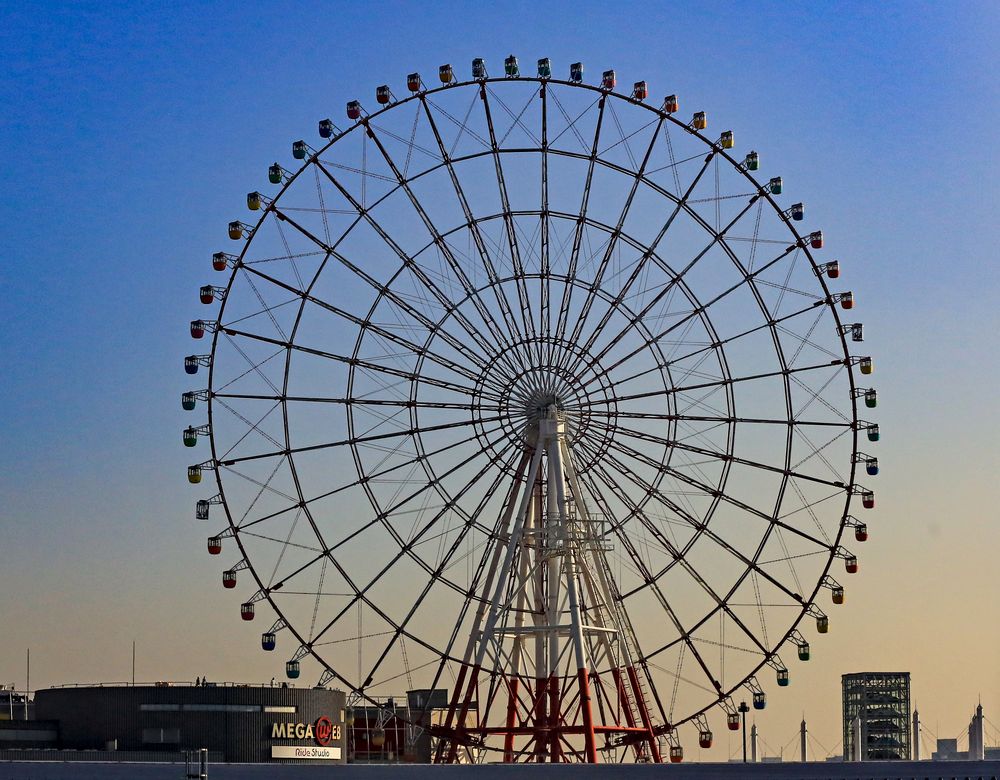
x=241, y=723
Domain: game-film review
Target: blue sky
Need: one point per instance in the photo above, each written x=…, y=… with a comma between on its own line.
x=131, y=133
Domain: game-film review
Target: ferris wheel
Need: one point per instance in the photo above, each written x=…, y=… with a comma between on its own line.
x=531, y=392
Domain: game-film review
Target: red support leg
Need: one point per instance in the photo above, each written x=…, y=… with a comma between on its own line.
x=508, y=741
x=452, y=706
x=555, y=716
x=644, y=713
x=588, y=716
x=460, y=726
x=540, y=710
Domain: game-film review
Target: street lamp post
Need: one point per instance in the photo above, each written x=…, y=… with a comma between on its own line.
x=744, y=709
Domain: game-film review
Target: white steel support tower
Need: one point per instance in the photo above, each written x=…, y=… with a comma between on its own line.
x=552, y=643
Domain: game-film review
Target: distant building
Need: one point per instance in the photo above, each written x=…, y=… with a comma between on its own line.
x=881, y=700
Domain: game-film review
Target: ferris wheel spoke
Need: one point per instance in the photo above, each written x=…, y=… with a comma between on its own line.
x=252, y=427
x=699, y=311
x=680, y=558
x=442, y=565
x=816, y=394
x=443, y=247
x=254, y=366
x=676, y=277
x=361, y=440
x=407, y=547
x=545, y=285
x=731, y=339
x=378, y=368
x=564, y=306
x=389, y=294
x=369, y=477
x=652, y=582
x=442, y=299
x=719, y=383
x=515, y=251
x=367, y=324
x=650, y=254
x=484, y=255
x=724, y=456
x=665, y=416
x=359, y=401
x=613, y=241
x=710, y=491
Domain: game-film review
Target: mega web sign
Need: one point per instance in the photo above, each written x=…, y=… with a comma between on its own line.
x=322, y=732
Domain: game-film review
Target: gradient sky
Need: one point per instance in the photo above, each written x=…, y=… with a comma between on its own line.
x=130, y=135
